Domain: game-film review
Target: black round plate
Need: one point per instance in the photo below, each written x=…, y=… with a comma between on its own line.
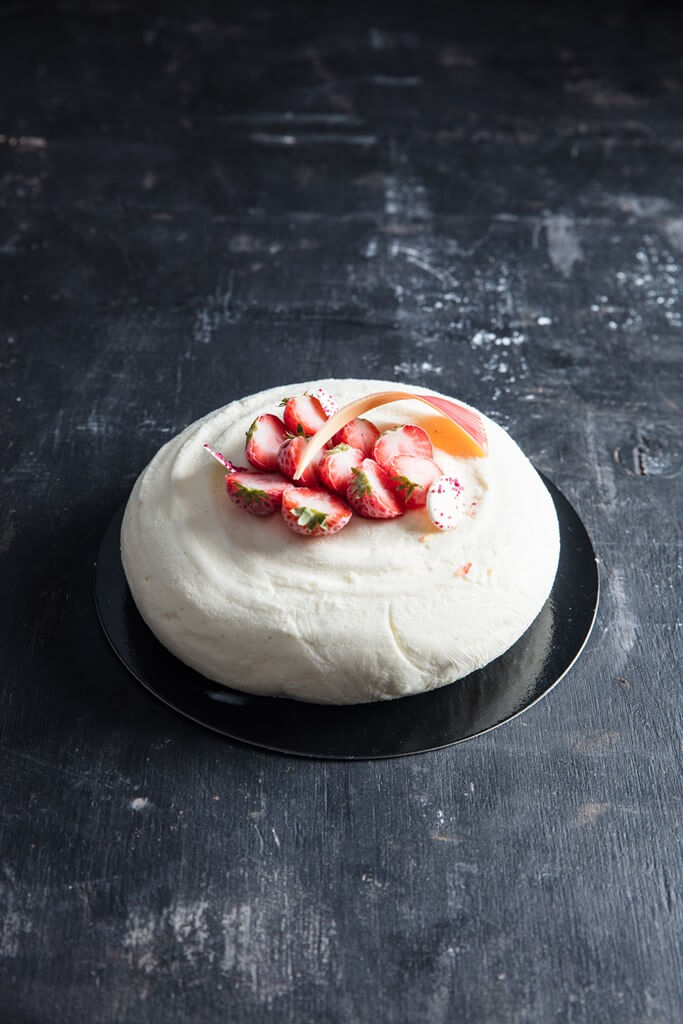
x=409, y=725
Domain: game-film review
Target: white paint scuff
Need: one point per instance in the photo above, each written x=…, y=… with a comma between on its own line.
x=191, y=929
x=564, y=245
x=213, y=314
x=140, y=940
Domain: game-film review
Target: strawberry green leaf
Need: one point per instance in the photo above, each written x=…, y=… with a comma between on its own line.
x=310, y=518
x=360, y=483
x=251, y=494
x=404, y=484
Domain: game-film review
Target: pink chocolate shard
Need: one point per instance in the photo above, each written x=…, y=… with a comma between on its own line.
x=445, y=505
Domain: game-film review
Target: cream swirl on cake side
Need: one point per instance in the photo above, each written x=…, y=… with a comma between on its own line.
x=380, y=610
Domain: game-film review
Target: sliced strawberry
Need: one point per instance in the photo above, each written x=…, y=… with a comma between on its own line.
x=258, y=493
x=264, y=438
x=411, y=477
x=336, y=465
x=360, y=434
x=328, y=403
x=406, y=440
x=445, y=504
x=314, y=512
x=303, y=414
x=369, y=492
x=288, y=456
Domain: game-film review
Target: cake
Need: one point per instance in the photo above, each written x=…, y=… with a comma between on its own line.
x=381, y=609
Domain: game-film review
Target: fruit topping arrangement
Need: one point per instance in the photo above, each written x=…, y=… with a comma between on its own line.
x=319, y=464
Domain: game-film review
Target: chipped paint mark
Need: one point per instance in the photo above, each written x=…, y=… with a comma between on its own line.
x=191, y=930
x=139, y=803
x=15, y=923
x=289, y=117
x=405, y=199
x=640, y=206
x=383, y=39
x=396, y=81
x=451, y=57
x=415, y=369
x=607, y=490
x=236, y=925
x=503, y=362
x=8, y=532
x=589, y=813
x=147, y=934
x=24, y=141
x=311, y=138
x=13, y=928
x=673, y=227
x=140, y=940
x=564, y=246
x=593, y=743
x=418, y=260
x=213, y=314
x=625, y=624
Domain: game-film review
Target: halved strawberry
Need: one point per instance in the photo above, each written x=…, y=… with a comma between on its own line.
x=258, y=493
x=369, y=492
x=405, y=440
x=411, y=477
x=445, y=504
x=303, y=414
x=264, y=438
x=360, y=434
x=313, y=512
x=336, y=465
x=288, y=457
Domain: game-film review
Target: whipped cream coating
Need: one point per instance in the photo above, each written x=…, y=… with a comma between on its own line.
x=382, y=609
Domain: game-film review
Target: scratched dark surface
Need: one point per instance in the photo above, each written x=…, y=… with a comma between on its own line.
x=195, y=204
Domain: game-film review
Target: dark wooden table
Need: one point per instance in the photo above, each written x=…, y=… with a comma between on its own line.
x=195, y=204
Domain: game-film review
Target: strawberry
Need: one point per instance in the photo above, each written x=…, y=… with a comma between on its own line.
x=326, y=400
x=445, y=505
x=405, y=440
x=313, y=512
x=369, y=492
x=360, y=434
x=258, y=493
x=336, y=465
x=288, y=458
x=303, y=414
x=411, y=476
x=264, y=438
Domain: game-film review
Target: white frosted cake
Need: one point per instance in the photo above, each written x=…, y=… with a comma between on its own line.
x=380, y=609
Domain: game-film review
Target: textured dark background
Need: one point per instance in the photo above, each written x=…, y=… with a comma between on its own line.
x=197, y=201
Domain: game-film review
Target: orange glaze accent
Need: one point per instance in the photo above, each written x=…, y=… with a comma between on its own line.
x=463, y=420
x=448, y=436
